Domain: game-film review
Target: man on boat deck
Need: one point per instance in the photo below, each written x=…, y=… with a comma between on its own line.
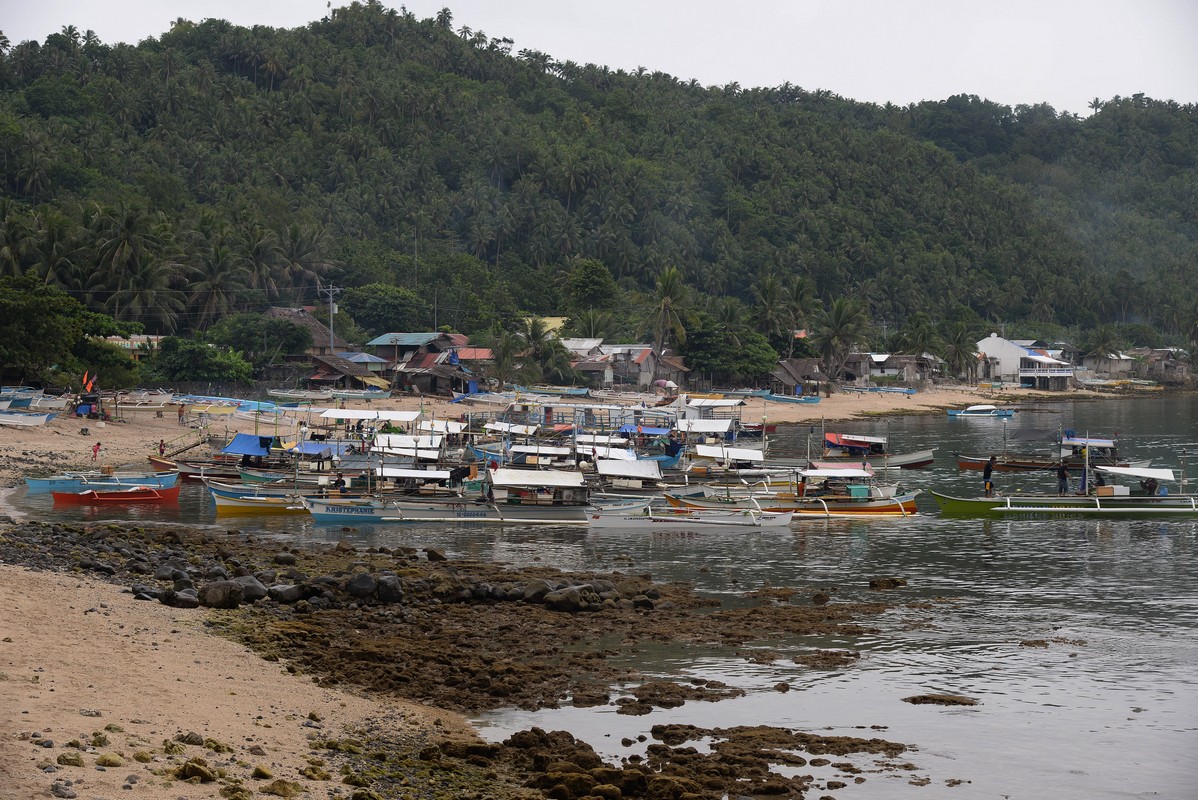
x=987, y=477
x=1062, y=479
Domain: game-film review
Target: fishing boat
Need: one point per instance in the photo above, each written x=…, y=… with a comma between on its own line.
x=301, y=395
x=644, y=516
x=131, y=494
x=361, y=394
x=21, y=419
x=792, y=398
x=1074, y=451
x=850, y=447
x=821, y=492
x=1145, y=501
x=878, y=389
x=983, y=410
x=82, y=481
x=259, y=504
x=512, y=496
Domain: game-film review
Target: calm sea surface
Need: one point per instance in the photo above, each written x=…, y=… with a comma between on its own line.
x=1108, y=709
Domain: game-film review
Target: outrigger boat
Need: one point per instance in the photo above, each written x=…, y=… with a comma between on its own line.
x=1074, y=451
x=847, y=492
x=82, y=481
x=872, y=449
x=643, y=516
x=981, y=411
x=132, y=494
x=1101, y=501
x=513, y=497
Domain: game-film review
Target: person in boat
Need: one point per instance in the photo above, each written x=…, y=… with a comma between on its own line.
x=1150, y=486
x=1062, y=479
x=339, y=483
x=988, y=477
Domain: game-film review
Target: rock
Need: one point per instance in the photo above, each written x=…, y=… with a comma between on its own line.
x=362, y=585
x=881, y=584
x=72, y=759
x=536, y=589
x=186, y=598
x=110, y=760
x=198, y=769
x=286, y=559
x=820, y=598
x=940, y=700
x=221, y=594
x=252, y=589
x=62, y=790
x=435, y=554
x=286, y=593
x=390, y=589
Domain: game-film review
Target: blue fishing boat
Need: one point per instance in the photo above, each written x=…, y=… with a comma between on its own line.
x=85, y=481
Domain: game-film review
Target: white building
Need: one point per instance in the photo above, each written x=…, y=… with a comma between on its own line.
x=1024, y=361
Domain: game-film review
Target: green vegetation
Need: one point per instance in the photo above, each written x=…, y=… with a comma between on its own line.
x=445, y=181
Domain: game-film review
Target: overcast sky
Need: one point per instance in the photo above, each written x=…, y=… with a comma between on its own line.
x=1062, y=52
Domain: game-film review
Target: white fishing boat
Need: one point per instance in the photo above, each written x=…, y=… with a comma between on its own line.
x=645, y=516
x=361, y=394
x=301, y=395
x=21, y=419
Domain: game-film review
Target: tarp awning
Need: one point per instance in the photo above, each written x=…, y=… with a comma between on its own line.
x=704, y=425
x=511, y=427
x=380, y=383
x=1143, y=473
x=617, y=453
x=321, y=449
x=615, y=468
x=442, y=426
x=644, y=429
x=731, y=453
x=542, y=450
x=365, y=413
x=1085, y=441
x=844, y=472
x=715, y=403
x=247, y=444
x=419, y=474
x=537, y=478
x=386, y=440
x=850, y=439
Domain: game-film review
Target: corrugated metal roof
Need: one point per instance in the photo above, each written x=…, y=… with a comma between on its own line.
x=403, y=339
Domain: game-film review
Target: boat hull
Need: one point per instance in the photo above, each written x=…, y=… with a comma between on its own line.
x=900, y=505
x=913, y=460
x=341, y=512
x=135, y=494
x=259, y=504
x=648, y=519
x=84, y=481
x=1051, y=507
x=1033, y=463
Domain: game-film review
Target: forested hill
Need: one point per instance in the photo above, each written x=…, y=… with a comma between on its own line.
x=220, y=168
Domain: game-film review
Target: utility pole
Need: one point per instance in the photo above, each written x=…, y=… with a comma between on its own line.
x=331, y=292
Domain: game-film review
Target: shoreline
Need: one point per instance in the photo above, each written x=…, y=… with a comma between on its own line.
x=126, y=443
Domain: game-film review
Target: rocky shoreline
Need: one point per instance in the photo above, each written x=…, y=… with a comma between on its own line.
x=467, y=637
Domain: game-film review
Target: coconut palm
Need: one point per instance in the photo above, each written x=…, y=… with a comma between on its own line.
x=669, y=310
x=960, y=350
x=837, y=330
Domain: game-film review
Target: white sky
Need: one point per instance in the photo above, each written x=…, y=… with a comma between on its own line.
x=1063, y=52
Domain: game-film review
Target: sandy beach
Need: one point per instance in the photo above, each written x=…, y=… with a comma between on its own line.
x=63, y=444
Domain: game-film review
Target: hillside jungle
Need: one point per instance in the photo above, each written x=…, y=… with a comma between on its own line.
x=443, y=178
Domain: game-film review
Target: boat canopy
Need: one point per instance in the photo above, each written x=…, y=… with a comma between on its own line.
x=600, y=438
x=732, y=453
x=319, y=449
x=511, y=427
x=407, y=472
x=442, y=426
x=644, y=429
x=541, y=450
x=617, y=453
x=365, y=413
x=1085, y=441
x=1143, y=473
x=846, y=472
x=386, y=441
x=617, y=468
x=247, y=444
x=704, y=425
x=537, y=477
x=730, y=402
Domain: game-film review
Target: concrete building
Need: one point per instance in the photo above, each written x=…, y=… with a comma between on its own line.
x=1024, y=362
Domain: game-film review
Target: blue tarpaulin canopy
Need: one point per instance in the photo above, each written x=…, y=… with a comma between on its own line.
x=645, y=429
x=321, y=449
x=247, y=444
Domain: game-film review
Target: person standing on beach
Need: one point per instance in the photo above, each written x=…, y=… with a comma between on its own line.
x=182, y=413
x=96, y=451
x=161, y=447
x=988, y=477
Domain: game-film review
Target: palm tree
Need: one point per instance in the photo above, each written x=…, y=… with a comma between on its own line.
x=837, y=330
x=772, y=310
x=215, y=284
x=960, y=350
x=669, y=311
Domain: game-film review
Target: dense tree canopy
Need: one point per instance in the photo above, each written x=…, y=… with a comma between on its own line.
x=218, y=169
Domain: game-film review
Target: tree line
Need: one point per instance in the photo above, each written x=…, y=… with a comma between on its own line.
x=445, y=180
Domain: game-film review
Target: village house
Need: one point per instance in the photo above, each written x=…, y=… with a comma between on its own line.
x=426, y=362
x=1023, y=361
x=323, y=341
x=797, y=376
